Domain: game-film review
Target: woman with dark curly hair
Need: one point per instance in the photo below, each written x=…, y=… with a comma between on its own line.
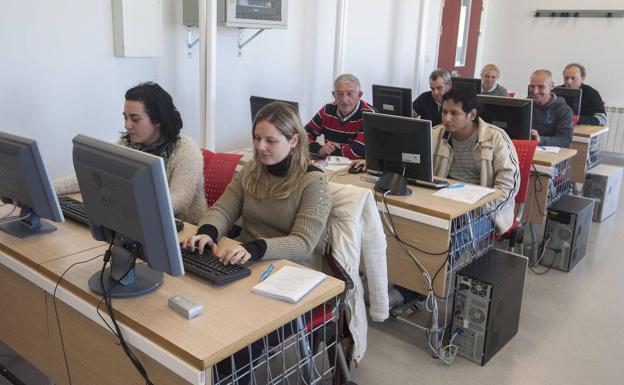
x=152, y=125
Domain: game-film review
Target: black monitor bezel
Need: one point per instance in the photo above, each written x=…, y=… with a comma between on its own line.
x=513, y=133
x=405, y=95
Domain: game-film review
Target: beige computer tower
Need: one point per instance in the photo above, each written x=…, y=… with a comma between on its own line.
x=602, y=183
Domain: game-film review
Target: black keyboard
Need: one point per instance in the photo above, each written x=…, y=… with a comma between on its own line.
x=74, y=210
x=209, y=267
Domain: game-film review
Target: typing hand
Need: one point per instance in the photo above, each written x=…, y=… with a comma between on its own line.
x=234, y=254
x=535, y=135
x=328, y=148
x=201, y=240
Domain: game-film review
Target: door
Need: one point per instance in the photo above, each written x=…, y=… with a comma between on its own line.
x=459, y=36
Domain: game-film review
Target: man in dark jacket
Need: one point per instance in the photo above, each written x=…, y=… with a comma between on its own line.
x=592, y=106
x=552, y=118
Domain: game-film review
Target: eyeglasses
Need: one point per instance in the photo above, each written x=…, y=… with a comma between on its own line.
x=349, y=94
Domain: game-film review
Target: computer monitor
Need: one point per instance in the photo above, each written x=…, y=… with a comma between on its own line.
x=257, y=102
x=511, y=114
x=472, y=84
x=572, y=96
x=24, y=182
x=126, y=198
x=392, y=100
x=396, y=144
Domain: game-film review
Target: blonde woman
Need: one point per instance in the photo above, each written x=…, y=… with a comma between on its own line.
x=489, y=76
x=284, y=202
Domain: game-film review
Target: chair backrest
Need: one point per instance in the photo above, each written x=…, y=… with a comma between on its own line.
x=219, y=169
x=525, y=150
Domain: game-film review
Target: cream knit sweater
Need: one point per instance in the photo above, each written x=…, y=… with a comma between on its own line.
x=185, y=176
x=293, y=228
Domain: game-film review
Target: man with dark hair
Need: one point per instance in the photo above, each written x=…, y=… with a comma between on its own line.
x=592, y=106
x=340, y=122
x=468, y=149
x=428, y=105
x=552, y=118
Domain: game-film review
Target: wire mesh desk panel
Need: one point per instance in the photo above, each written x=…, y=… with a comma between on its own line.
x=560, y=182
x=302, y=351
x=472, y=236
x=594, y=152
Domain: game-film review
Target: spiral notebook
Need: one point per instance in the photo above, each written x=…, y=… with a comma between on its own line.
x=289, y=283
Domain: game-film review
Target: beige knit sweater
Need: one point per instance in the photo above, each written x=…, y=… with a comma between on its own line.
x=294, y=228
x=185, y=175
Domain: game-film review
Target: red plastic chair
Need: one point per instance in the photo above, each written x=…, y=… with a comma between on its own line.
x=525, y=150
x=219, y=170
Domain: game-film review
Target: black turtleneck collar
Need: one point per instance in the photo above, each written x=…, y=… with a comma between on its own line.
x=281, y=168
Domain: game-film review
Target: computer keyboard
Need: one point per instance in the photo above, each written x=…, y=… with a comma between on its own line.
x=209, y=267
x=74, y=209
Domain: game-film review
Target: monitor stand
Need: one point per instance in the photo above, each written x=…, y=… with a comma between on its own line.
x=393, y=183
x=27, y=227
x=139, y=280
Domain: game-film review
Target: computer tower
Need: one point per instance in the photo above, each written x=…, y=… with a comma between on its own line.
x=602, y=184
x=486, y=306
x=567, y=232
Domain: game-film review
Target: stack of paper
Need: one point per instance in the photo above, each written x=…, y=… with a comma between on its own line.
x=550, y=149
x=466, y=193
x=289, y=283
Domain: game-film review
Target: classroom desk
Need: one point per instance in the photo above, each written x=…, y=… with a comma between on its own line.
x=424, y=221
x=549, y=181
x=172, y=349
x=588, y=141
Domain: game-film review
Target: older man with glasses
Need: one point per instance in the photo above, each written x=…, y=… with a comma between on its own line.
x=340, y=122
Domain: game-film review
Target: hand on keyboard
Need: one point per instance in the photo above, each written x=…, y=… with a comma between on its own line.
x=200, y=241
x=236, y=254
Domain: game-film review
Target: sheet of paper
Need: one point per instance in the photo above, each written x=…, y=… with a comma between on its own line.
x=468, y=193
x=551, y=149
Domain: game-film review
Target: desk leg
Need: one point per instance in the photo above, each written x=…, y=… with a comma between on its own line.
x=92, y=353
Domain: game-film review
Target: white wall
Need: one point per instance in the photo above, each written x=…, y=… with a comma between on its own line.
x=297, y=63
x=520, y=43
x=58, y=75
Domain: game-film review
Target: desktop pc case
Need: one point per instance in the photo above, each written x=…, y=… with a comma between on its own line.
x=486, y=306
x=567, y=232
x=602, y=184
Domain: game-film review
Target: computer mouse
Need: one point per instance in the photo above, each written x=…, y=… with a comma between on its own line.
x=356, y=168
x=179, y=225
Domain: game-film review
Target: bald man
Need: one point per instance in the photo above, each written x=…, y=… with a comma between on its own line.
x=552, y=118
x=592, y=106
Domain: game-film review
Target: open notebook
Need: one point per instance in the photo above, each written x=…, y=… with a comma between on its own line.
x=289, y=283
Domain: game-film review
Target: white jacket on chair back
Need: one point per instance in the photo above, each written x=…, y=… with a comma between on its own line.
x=355, y=229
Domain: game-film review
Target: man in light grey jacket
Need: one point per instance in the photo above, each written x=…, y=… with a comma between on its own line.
x=468, y=149
x=552, y=118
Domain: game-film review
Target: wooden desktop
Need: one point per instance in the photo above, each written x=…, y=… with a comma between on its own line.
x=173, y=350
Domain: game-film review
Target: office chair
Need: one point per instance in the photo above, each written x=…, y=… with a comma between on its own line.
x=525, y=150
x=219, y=170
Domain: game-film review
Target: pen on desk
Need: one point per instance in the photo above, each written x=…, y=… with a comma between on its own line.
x=456, y=185
x=266, y=273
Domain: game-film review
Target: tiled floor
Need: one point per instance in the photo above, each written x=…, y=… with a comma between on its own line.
x=570, y=330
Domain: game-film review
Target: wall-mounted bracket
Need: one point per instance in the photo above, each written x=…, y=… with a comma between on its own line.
x=242, y=43
x=190, y=42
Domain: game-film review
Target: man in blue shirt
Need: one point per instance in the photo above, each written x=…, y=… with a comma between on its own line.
x=428, y=105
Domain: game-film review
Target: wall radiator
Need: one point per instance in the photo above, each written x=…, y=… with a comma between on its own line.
x=615, y=122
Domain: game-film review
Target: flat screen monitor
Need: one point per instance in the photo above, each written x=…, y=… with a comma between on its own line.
x=512, y=115
x=392, y=100
x=24, y=183
x=398, y=144
x=257, y=102
x=471, y=84
x=572, y=96
x=127, y=201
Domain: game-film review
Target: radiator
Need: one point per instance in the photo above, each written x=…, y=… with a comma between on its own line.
x=615, y=122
